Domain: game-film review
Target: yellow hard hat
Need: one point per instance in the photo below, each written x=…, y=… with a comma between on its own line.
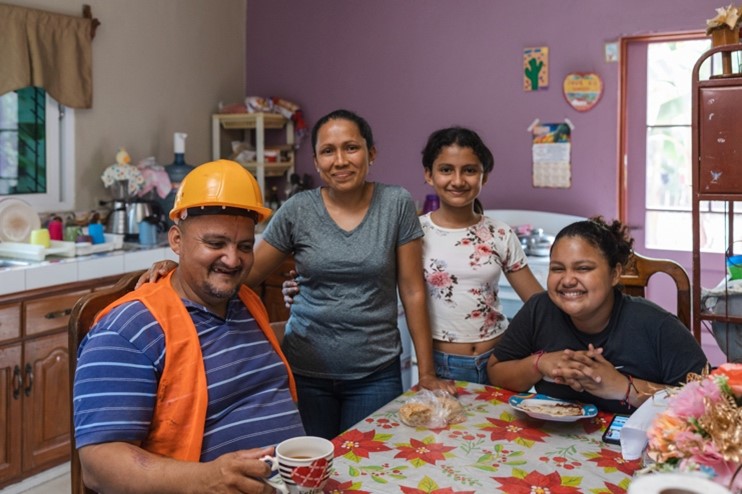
x=219, y=183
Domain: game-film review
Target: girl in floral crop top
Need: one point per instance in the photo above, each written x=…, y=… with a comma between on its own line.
x=464, y=254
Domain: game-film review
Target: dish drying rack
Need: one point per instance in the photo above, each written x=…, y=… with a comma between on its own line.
x=59, y=248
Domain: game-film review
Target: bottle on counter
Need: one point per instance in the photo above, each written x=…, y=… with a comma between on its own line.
x=177, y=170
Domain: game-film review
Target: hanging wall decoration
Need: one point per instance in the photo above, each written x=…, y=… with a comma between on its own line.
x=583, y=90
x=535, y=68
x=552, y=146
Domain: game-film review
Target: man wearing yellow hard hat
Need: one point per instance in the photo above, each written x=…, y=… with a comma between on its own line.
x=181, y=384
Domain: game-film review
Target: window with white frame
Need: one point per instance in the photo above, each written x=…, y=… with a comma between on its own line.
x=36, y=150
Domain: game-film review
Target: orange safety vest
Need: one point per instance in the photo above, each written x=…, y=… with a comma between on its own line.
x=179, y=417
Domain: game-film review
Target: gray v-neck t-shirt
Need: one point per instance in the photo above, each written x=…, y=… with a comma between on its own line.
x=343, y=322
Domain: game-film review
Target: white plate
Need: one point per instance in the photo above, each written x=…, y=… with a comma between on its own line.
x=523, y=401
x=17, y=220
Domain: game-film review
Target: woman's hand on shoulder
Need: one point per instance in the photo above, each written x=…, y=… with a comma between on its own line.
x=431, y=381
x=289, y=289
x=158, y=270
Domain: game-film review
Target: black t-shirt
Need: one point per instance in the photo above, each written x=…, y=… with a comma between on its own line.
x=641, y=338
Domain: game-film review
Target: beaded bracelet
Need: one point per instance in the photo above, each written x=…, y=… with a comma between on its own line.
x=538, y=355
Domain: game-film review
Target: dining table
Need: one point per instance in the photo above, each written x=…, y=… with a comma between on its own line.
x=497, y=448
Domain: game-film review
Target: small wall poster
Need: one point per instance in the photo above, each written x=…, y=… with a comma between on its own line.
x=535, y=68
x=552, y=146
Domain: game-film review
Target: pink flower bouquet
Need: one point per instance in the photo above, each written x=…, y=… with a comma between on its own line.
x=701, y=430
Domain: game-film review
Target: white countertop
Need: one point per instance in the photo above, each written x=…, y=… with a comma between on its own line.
x=56, y=271
x=68, y=270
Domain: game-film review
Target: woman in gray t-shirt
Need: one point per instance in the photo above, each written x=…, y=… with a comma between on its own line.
x=354, y=242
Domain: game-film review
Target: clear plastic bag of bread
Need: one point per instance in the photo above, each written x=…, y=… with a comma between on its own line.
x=432, y=409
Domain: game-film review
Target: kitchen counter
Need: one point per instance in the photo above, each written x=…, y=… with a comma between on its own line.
x=56, y=271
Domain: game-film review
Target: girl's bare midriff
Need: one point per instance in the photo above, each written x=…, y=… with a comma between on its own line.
x=468, y=349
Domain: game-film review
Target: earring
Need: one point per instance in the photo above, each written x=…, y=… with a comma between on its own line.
x=370, y=162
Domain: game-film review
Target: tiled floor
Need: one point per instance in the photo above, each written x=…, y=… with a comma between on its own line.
x=53, y=481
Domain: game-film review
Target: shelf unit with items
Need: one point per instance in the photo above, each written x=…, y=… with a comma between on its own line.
x=717, y=185
x=251, y=128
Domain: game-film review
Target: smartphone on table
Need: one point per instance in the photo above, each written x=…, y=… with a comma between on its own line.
x=612, y=434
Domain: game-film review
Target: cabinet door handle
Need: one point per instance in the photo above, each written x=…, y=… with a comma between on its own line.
x=29, y=379
x=59, y=313
x=17, y=382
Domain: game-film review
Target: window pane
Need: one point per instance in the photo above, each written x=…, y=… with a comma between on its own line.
x=23, y=142
x=670, y=230
x=669, y=168
x=669, y=67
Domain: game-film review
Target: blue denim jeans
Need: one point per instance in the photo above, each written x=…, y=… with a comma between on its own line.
x=331, y=406
x=462, y=368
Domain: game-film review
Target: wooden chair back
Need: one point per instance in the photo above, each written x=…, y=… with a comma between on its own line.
x=640, y=269
x=81, y=320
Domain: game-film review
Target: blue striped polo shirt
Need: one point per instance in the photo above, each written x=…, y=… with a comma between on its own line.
x=122, y=358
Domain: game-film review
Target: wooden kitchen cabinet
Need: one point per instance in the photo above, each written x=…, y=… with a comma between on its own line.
x=35, y=401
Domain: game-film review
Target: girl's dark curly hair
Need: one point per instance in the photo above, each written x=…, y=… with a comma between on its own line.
x=613, y=239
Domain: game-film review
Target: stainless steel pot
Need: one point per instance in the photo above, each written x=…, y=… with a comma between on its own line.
x=539, y=244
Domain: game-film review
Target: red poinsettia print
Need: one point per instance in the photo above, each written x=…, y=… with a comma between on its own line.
x=429, y=486
x=360, y=444
x=600, y=421
x=444, y=490
x=611, y=460
x=423, y=451
x=494, y=395
x=349, y=487
x=535, y=482
x=515, y=430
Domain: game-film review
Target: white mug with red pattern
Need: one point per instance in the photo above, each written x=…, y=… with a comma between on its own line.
x=303, y=463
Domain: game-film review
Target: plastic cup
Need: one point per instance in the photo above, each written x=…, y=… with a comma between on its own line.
x=95, y=230
x=41, y=237
x=734, y=267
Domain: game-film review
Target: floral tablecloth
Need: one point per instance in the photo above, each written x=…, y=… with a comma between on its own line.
x=497, y=449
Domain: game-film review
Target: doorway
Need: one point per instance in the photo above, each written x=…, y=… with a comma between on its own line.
x=655, y=173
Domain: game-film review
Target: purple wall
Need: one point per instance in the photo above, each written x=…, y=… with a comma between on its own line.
x=410, y=67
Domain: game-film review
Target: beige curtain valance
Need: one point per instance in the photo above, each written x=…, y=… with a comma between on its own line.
x=48, y=50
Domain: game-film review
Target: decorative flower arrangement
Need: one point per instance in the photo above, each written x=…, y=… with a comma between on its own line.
x=701, y=430
x=726, y=17
x=123, y=170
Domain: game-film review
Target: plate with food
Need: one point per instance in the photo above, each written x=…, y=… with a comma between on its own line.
x=545, y=407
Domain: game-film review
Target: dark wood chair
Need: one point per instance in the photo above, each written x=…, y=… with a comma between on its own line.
x=640, y=269
x=81, y=320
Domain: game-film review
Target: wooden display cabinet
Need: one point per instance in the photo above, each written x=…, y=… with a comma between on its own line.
x=717, y=160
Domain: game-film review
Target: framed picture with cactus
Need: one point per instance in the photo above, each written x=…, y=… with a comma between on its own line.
x=535, y=68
